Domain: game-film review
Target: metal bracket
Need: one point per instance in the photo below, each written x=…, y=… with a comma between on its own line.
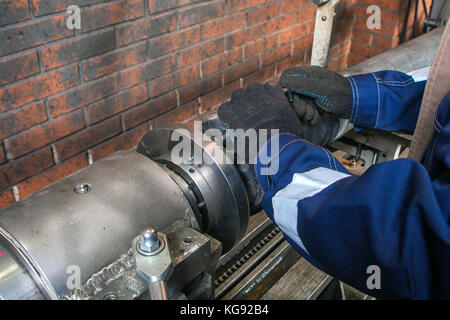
x=154, y=268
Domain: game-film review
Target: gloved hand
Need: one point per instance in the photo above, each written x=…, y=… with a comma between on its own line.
x=257, y=107
x=330, y=91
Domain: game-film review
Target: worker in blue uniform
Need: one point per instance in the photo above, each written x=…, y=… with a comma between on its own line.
x=396, y=216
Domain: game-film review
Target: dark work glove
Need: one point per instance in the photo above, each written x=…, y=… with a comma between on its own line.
x=257, y=107
x=330, y=91
x=260, y=107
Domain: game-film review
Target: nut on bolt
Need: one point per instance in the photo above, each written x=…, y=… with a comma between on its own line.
x=154, y=266
x=149, y=241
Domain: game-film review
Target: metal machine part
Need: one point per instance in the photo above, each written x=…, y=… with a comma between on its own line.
x=193, y=258
x=153, y=262
x=58, y=228
x=220, y=196
x=15, y=282
x=97, y=211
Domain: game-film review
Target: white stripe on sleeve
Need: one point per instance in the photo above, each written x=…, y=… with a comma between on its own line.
x=303, y=185
x=420, y=74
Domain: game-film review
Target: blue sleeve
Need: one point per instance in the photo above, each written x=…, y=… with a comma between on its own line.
x=388, y=100
x=393, y=217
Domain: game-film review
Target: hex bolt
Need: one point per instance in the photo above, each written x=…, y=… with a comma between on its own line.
x=149, y=241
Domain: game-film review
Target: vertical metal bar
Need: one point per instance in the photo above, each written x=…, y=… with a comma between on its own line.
x=157, y=290
x=322, y=33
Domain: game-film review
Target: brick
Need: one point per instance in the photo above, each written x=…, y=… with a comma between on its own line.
x=295, y=5
x=149, y=110
x=264, y=13
x=222, y=61
x=353, y=59
x=385, y=42
x=78, y=49
x=174, y=41
x=295, y=33
x=303, y=43
x=38, y=87
x=260, y=76
x=28, y=166
x=200, y=52
x=117, y=103
x=12, y=11
x=222, y=26
x=147, y=71
x=275, y=55
x=180, y=114
x=294, y=61
x=146, y=28
x=342, y=36
x=82, y=95
x=87, y=138
x=345, y=24
x=275, y=25
x=51, y=176
x=20, y=120
x=32, y=33
x=387, y=30
x=4, y=183
x=239, y=70
x=6, y=198
x=125, y=141
x=387, y=4
x=240, y=38
x=307, y=14
x=362, y=36
x=200, y=88
x=337, y=64
x=104, y=15
x=175, y=80
x=375, y=51
x=261, y=45
x=360, y=48
x=114, y=61
x=44, y=134
x=240, y=5
x=2, y=155
x=18, y=67
x=42, y=7
x=203, y=12
x=333, y=52
x=155, y=6
x=218, y=96
x=345, y=47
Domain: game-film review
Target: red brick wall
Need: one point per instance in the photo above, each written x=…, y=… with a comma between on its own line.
x=69, y=98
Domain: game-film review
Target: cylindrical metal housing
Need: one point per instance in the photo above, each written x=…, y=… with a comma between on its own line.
x=61, y=230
